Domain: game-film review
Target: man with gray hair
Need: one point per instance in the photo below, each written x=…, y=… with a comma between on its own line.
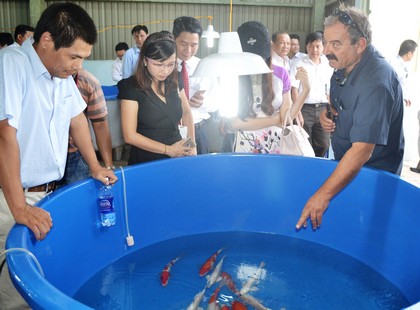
x=367, y=109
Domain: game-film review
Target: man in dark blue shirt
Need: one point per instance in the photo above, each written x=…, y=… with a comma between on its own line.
x=367, y=108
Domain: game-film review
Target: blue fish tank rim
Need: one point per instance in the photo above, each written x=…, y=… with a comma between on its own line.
x=374, y=219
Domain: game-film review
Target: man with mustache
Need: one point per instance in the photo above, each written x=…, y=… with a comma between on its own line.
x=367, y=109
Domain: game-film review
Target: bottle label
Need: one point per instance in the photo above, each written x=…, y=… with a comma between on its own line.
x=105, y=205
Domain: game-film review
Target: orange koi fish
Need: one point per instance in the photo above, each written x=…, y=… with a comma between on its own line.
x=208, y=265
x=213, y=304
x=166, y=272
x=237, y=305
x=227, y=280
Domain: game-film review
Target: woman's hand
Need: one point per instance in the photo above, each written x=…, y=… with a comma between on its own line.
x=302, y=76
x=177, y=150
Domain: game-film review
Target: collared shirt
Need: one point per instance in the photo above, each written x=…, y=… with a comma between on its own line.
x=130, y=60
x=370, y=109
x=117, y=70
x=319, y=76
x=15, y=44
x=297, y=56
x=40, y=107
x=400, y=67
x=195, y=84
x=277, y=60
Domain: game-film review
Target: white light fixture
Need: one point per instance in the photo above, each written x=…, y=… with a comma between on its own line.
x=226, y=65
x=210, y=35
x=230, y=60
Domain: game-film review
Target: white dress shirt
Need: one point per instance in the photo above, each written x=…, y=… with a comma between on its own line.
x=117, y=70
x=195, y=84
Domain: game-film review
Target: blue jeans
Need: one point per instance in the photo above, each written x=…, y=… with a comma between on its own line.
x=76, y=169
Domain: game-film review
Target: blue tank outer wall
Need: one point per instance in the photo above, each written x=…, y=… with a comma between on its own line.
x=374, y=219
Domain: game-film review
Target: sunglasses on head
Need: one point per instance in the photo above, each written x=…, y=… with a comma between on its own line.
x=346, y=19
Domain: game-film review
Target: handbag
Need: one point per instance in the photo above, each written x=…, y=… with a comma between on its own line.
x=294, y=139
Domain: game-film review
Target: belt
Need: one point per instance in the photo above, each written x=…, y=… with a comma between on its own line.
x=200, y=124
x=317, y=105
x=47, y=187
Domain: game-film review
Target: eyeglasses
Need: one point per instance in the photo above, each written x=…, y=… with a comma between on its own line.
x=346, y=19
x=161, y=66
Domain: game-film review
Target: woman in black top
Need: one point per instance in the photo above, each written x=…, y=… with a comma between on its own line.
x=152, y=104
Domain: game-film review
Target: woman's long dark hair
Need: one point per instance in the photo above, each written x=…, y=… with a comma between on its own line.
x=246, y=95
x=158, y=46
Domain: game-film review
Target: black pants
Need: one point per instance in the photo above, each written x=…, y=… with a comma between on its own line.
x=318, y=137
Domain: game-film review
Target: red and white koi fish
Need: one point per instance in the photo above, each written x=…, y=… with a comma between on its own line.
x=197, y=300
x=213, y=303
x=215, y=275
x=208, y=265
x=228, y=281
x=254, y=279
x=237, y=305
x=253, y=302
x=166, y=272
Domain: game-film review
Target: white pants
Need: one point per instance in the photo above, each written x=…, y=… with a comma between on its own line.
x=9, y=296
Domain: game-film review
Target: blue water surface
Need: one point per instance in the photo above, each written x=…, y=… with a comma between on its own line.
x=297, y=274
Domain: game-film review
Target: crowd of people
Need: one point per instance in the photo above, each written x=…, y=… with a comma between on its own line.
x=48, y=99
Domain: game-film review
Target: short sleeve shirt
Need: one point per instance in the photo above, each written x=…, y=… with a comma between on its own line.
x=91, y=91
x=40, y=107
x=370, y=110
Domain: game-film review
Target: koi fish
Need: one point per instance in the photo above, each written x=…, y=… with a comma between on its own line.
x=249, y=285
x=213, y=304
x=166, y=272
x=215, y=275
x=208, y=265
x=253, y=302
x=225, y=307
x=237, y=305
x=227, y=280
x=197, y=300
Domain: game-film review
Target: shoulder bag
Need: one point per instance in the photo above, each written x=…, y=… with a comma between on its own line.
x=294, y=139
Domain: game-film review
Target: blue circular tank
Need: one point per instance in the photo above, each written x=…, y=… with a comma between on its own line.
x=373, y=220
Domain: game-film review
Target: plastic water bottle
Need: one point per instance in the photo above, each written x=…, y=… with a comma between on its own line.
x=106, y=205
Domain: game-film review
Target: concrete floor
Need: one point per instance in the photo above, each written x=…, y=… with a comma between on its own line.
x=408, y=175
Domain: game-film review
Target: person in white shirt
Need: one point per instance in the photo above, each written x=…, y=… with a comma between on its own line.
x=400, y=62
x=187, y=33
x=294, y=52
x=320, y=72
x=280, y=48
x=400, y=66
x=39, y=106
x=120, y=50
x=139, y=33
x=22, y=32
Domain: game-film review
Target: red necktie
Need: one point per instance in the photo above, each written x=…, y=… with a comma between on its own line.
x=184, y=73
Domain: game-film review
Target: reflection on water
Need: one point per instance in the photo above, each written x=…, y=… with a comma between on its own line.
x=276, y=271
